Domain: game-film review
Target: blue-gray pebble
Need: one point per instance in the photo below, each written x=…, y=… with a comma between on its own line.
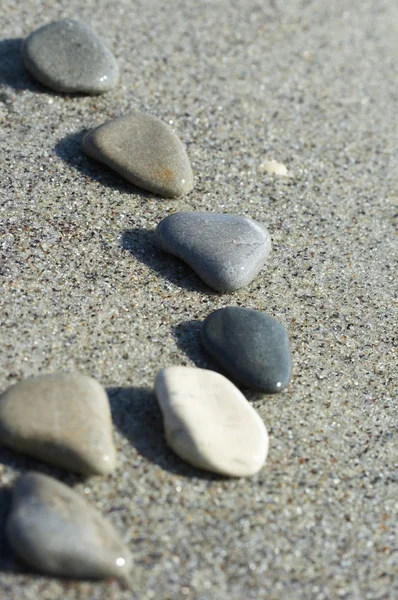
x=226, y=251
x=67, y=56
x=250, y=346
x=52, y=529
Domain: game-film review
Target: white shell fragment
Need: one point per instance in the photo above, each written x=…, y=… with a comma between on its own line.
x=272, y=167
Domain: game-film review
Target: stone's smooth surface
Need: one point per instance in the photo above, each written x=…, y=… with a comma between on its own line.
x=52, y=529
x=209, y=423
x=226, y=251
x=272, y=167
x=145, y=151
x=252, y=347
x=63, y=419
x=67, y=56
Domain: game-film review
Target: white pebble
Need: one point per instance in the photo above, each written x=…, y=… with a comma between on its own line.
x=209, y=423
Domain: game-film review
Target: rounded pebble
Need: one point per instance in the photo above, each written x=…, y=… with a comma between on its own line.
x=226, y=251
x=63, y=419
x=250, y=346
x=209, y=423
x=145, y=151
x=52, y=529
x=67, y=56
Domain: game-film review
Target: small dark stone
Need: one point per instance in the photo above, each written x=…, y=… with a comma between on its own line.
x=252, y=347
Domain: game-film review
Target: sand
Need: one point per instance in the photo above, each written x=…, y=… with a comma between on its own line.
x=312, y=85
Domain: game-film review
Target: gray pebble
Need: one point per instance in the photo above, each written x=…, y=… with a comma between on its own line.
x=226, y=251
x=145, y=151
x=63, y=419
x=252, y=347
x=52, y=529
x=67, y=56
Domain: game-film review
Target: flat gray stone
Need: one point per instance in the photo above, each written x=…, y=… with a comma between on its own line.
x=209, y=423
x=250, y=346
x=63, y=419
x=145, y=151
x=226, y=251
x=53, y=529
x=67, y=56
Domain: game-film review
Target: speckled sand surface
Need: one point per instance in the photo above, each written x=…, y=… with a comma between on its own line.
x=312, y=84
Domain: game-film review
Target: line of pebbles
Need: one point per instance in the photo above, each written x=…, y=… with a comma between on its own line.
x=65, y=419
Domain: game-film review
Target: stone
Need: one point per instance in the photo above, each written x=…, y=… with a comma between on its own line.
x=274, y=168
x=226, y=251
x=250, y=346
x=53, y=529
x=63, y=419
x=209, y=423
x=67, y=56
x=145, y=151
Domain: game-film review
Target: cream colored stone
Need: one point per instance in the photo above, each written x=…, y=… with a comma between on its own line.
x=209, y=423
x=63, y=419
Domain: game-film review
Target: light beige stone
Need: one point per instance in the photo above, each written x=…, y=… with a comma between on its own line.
x=63, y=419
x=144, y=150
x=209, y=423
x=53, y=529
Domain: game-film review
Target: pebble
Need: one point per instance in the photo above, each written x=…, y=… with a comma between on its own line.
x=63, y=419
x=67, y=56
x=226, y=251
x=145, y=151
x=274, y=168
x=250, y=346
x=52, y=529
x=209, y=423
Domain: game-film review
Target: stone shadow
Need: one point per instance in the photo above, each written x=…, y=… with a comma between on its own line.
x=136, y=413
x=12, y=71
x=8, y=563
x=69, y=149
x=187, y=334
x=22, y=463
x=141, y=245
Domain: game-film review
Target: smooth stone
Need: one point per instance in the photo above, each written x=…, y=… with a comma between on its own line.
x=53, y=529
x=209, y=423
x=67, y=56
x=272, y=167
x=250, y=346
x=226, y=251
x=145, y=151
x=63, y=419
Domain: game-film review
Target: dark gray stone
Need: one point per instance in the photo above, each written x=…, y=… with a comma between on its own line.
x=252, y=347
x=52, y=529
x=67, y=56
x=226, y=251
x=145, y=151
